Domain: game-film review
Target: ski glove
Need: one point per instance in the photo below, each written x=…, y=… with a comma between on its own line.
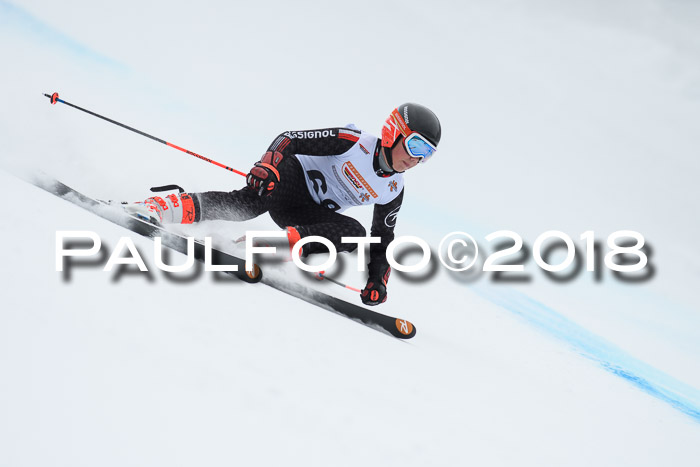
x=374, y=292
x=264, y=176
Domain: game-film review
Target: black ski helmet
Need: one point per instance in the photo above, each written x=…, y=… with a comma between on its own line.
x=411, y=117
x=406, y=119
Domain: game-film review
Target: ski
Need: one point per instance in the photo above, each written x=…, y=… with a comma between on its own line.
x=397, y=327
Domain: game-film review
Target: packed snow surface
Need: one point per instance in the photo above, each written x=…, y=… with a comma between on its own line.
x=576, y=116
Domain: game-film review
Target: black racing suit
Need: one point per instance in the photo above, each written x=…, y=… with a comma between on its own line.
x=290, y=203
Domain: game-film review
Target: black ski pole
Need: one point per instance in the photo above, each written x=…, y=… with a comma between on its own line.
x=54, y=98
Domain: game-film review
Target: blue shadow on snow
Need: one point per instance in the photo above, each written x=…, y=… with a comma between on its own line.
x=678, y=394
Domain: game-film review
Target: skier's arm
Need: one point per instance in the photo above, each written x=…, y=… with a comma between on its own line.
x=324, y=142
x=383, y=222
x=264, y=176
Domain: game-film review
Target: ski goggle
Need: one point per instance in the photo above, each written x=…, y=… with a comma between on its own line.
x=417, y=146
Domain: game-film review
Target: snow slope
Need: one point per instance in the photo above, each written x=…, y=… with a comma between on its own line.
x=572, y=117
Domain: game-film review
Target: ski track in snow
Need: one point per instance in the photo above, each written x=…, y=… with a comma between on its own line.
x=553, y=323
x=679, y=395
x=29, y=26
x=548, y=320
x=611, y=358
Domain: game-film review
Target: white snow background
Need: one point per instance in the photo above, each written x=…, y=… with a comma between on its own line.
x=573, y=116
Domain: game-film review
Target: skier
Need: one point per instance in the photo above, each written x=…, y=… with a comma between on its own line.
x=307, y=178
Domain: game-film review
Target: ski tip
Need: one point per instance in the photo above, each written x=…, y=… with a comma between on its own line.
x=404, y=329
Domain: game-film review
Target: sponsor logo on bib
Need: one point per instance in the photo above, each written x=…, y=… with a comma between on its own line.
x=354, y=176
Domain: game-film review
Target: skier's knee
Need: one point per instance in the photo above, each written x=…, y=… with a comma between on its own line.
x=356, y=231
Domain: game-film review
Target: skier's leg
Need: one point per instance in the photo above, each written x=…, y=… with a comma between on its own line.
x=315, y=220
x=239, y=205
x=291, y=205
x=184, y=208
x=245, y=204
